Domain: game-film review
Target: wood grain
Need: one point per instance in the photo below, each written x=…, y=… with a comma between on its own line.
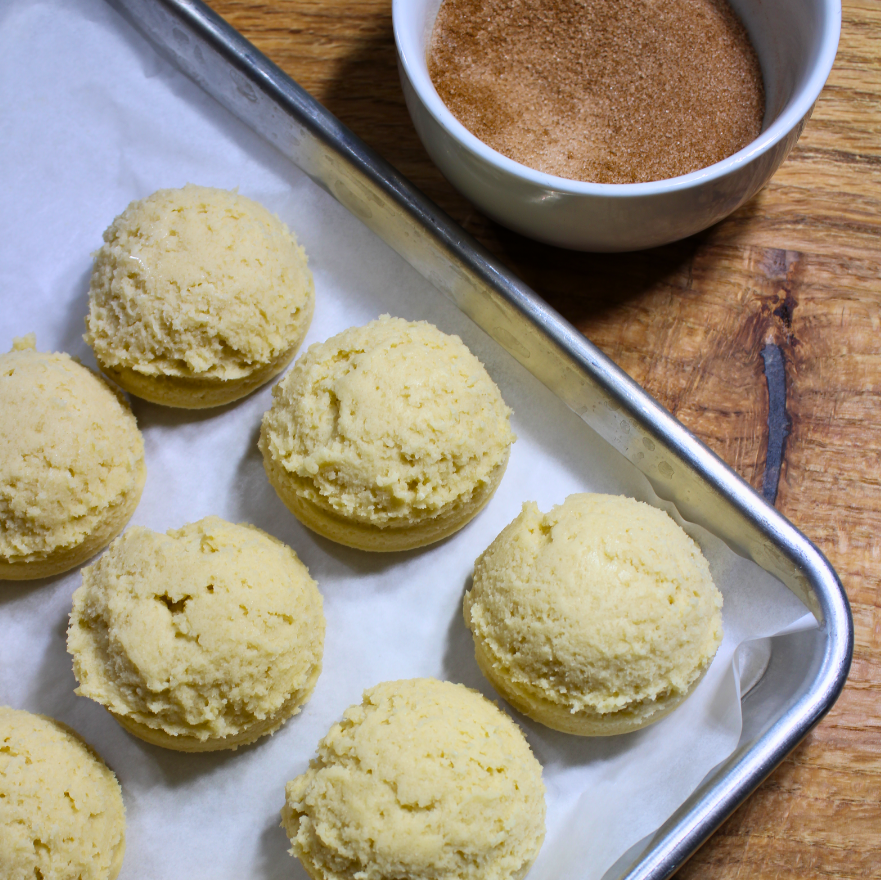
x=799, y=266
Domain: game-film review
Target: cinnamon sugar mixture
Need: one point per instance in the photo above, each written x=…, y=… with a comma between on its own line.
x=610, y=91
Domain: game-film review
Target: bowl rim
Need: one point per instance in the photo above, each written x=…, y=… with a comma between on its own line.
x=416, y=71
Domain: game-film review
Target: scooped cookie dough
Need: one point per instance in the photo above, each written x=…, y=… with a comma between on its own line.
x=71, y=462
x=204, y=638
x=198, y=296
x=386, y=437
x=61, y=810
x=596, y=618
x=425, y=779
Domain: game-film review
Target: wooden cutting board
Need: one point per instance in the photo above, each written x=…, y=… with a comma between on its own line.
x=784, y=296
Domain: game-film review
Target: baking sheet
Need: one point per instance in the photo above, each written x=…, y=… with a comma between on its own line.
x=95, y=119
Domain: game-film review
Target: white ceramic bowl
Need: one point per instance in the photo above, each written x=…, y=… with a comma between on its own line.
x=795, y=40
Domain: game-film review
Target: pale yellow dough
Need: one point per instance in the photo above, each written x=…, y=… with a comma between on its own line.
x=425, y=780
x=71, y=462
x=387, y=436
x=198, y=296
x=61, y=810
x=596, y=618
x=204, y=638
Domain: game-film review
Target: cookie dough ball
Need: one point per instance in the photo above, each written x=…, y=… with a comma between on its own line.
x=599, y=617
x=61, y=812
x=198, y=296
x=204, y=638
x=386, y=437
x=71, y=462
x=425, y=779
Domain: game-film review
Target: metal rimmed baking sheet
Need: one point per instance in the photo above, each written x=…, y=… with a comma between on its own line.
x=782, y=708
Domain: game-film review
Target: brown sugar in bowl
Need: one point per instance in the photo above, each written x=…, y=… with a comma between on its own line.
x=605, y=91
x=795, y=44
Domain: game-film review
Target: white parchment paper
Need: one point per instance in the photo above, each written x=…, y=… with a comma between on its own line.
x=91, y=118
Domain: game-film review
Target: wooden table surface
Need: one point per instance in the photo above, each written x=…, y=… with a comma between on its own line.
x=798, y=267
